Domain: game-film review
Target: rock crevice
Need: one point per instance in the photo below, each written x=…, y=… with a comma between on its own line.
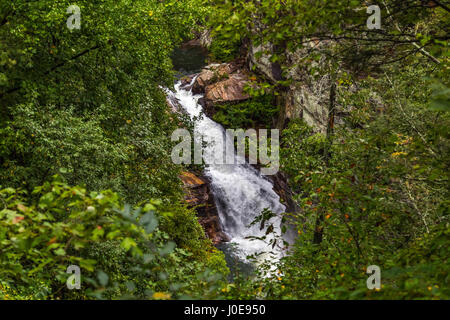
x=198, y=195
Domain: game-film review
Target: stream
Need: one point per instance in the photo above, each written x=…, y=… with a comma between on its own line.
x=241, y=192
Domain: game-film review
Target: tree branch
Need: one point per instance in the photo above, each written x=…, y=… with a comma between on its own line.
x=443, y=6
x=59, y=65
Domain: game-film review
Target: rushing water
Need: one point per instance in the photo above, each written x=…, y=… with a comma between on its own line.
x=240, y=191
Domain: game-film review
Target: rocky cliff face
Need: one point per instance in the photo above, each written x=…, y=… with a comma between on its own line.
x=224, y=83
x=306, y=98
x=220, y=84
x=199, y=196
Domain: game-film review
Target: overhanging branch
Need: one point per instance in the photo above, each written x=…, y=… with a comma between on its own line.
x=59, y=65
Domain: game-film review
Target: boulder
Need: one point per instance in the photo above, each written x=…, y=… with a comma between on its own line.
x=198, y=195
x=229, y=90
x=203, y=80
x=212, y=74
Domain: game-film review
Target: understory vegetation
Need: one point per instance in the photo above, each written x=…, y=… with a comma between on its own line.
x=86, y=176
x=83, y=111
x=258, y=112
x=376, y=195
x=372, y=187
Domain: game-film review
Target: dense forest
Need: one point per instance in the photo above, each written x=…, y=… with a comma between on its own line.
x=87, y=177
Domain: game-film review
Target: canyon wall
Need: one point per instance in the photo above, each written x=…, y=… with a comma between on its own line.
x=306, y=98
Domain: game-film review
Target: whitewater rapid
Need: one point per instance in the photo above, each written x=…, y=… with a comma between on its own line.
x=241, y=192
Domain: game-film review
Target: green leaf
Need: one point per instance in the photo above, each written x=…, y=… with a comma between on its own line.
x=102, y=278
x=127, y=243
x=168, y=248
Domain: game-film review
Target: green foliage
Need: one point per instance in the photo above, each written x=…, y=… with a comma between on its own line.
x=89, y=100
x=292, y=24
x=440, y=99
x=128, y=157
x=258, y=112
x=122, y=251
x=223, y=48
x=88, y=104
x=378, y=198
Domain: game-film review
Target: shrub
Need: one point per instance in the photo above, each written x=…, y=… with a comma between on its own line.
x=121, y=250
x=256, y=113
x=224, y=49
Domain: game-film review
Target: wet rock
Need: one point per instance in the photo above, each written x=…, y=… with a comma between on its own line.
x=212, y=74
x=203, y=80
x=199, y=196
x=186, y=82
x=205, y=38
x=226, y=91
x=282, y=188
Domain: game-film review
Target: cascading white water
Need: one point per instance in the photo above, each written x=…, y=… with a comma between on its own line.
x=240, y=191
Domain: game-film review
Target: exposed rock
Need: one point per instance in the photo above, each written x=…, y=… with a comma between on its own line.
x=186, y=82
x=229, y=90
x=281, y=187
x=196, y=189
x=307, y=98
x=203, y=80
x=212, y=74
x=262, y=63
x=221, y=84
x=175, y=105
x=207, y=107
x=205, y=38
x=198, y=194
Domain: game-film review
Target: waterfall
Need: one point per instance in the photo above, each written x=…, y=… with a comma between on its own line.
x=241, y=192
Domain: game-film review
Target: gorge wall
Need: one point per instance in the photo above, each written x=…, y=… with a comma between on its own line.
x=307, y=97
x=198, y=195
